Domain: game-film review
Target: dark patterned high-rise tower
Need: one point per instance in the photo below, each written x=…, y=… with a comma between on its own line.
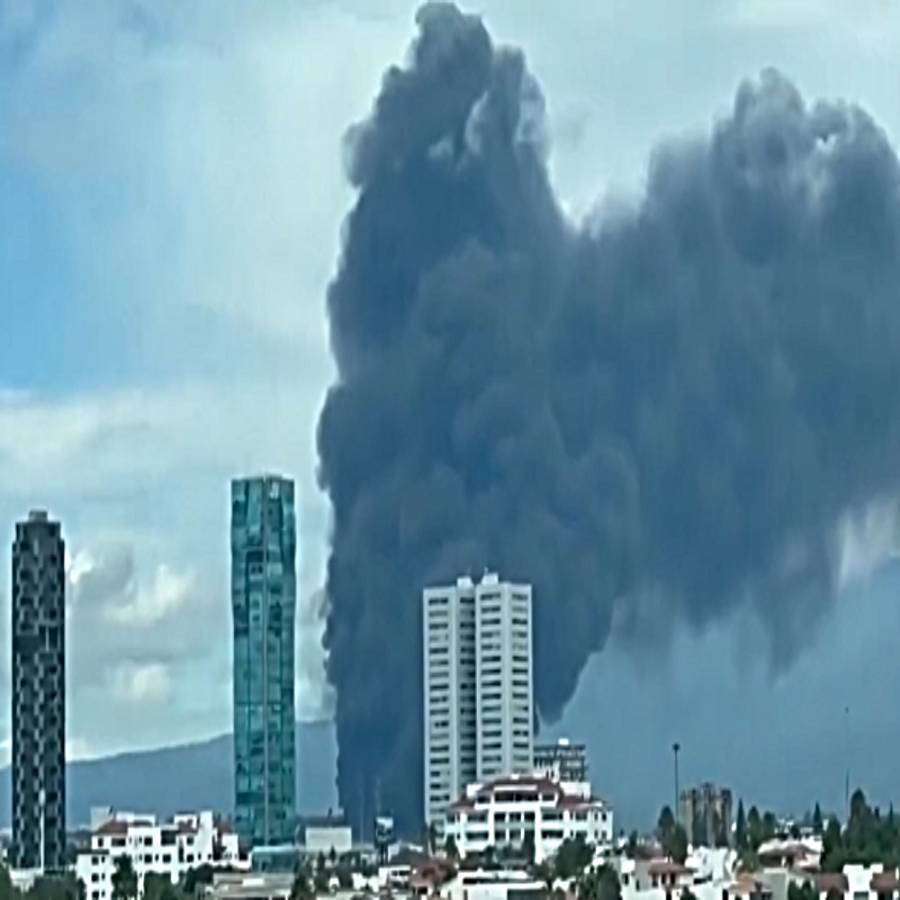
x=263, y=601
x=38, y=694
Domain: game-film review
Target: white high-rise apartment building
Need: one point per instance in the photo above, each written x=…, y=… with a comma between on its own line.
x=479, y=687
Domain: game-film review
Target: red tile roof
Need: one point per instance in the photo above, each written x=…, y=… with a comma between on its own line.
x=883, y=882
x=749, y=885
x=119, y=826
x=668, y=867
x=826, y=881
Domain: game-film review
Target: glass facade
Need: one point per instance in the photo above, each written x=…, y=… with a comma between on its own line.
x=263, y=601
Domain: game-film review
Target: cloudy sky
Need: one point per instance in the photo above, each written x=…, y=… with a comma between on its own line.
x=172, y=197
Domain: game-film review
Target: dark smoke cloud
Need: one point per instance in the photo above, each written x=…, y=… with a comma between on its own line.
x=653, y=417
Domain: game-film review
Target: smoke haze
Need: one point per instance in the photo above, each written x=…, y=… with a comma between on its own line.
x=653, y=416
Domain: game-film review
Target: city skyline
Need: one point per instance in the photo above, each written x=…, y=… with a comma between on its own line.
x=165, y=328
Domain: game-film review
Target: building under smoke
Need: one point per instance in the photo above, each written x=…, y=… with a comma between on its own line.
x=652, y=416
x=478, y=690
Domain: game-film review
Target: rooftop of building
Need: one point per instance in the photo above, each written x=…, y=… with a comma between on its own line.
x=325, y=820
x=747, y=884
x=668, y=867
x=121, y=827
x=885, y=882
x=243, y=885
x=532, y=785
x=827, y=881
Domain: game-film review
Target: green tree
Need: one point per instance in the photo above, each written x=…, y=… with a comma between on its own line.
x=544, y=872
x=740, y=828
x=301, y=889
x=676, y=845
x=602, y=884
x=321, y=881
x=833, y=853
x=54, y=887
x=528, y=847
x=450, y=847
x=7, y=892
x=817, y=820
x=159, y=887
x=802, y=892
x=664, y=824
x=631, y=849
x=754, y=829
x=124, y=880
x=196, y=878
x=769, y=825
x=688, y=894
x=573, y=856
x=345, y=876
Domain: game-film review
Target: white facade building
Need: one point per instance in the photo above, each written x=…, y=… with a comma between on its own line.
x=169, y=849
x=503, y=812
x=478, y=692
x=490, y=885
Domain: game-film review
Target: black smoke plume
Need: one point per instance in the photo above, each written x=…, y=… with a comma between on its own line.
x=653, y=416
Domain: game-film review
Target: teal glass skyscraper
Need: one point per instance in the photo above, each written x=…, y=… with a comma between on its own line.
x=263, y=601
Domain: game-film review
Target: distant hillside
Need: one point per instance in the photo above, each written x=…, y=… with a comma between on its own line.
x=184, y=777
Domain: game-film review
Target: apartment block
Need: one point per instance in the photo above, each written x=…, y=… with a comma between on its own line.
x=478, y=691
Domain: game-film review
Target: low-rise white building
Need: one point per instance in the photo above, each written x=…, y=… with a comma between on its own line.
x=491, y=885
x=170, y=849
x=503, y=813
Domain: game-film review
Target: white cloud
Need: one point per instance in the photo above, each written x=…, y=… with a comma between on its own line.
x=315, y=697
x=77, y=748
x=147, y=683
x=867, y=540
x=157, y=601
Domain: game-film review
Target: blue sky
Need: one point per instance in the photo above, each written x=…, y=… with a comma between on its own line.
x=172, y=195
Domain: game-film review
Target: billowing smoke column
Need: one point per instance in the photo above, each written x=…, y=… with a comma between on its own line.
x=653, y=417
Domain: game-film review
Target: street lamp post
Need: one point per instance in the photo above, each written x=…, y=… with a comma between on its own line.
x=675, y=748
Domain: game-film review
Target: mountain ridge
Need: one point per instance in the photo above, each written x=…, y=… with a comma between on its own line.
x=182, y=777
